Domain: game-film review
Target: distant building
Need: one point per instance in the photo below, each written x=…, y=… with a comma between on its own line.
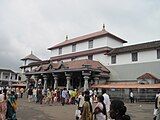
x=7, y=77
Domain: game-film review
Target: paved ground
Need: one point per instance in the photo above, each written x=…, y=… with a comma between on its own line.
x=33, y=111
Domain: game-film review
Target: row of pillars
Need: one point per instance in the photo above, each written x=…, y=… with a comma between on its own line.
x=68, y=78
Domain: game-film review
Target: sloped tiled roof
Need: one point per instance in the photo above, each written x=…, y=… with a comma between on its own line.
x=31, y=57
x=80, y=64
x=137, y=47
x=147, y=76
x=71, y=65
x=87, y=37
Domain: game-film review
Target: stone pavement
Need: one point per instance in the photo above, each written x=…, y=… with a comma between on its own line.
x=34, y=111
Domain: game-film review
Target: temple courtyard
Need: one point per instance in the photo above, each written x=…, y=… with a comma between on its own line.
x=34, y=111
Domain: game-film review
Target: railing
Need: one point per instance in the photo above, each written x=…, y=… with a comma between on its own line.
x=145, y=96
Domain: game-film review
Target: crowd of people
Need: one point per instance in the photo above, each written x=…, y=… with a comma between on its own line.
x=103, y=110
x=8, y=103
x=49, y=96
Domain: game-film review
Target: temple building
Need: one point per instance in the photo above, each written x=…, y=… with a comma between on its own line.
x=96, y=60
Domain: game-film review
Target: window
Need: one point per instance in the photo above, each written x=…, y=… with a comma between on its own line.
x=158, y=53
x=134, y=56
x=74, y=48
x=90, y=44
x=113, y=59
x=60, y=51
x=90, y=57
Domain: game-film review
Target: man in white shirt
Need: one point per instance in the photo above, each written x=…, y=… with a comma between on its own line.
x=106, y=101
x=81, y=100
x=131, y=97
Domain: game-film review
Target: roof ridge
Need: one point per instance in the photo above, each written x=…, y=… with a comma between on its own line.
x=86, y=37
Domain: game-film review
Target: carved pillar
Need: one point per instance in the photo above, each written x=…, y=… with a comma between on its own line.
x=17, y=76
x=86, y=74
x=55, y=80
x=86, y=82
x=68, y=78
x=45, y=82
x=10, y=75
x=96, y=79
x=28, y=78
x=36, y=81
x=1, y=75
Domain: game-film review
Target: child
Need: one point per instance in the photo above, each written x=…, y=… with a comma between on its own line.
x=78, y=113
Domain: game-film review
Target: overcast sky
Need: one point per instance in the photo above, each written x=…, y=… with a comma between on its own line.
x=35, y=25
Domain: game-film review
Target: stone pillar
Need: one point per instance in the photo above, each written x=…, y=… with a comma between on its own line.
x=96, y=79
x=28, y=78
x=68, y=78
x=17, y=76
x=36, y=81
x=86, y=82
x=55, y=81
x=1, y=75
x=45, y=82
x=68, y=82
x=86, y=74
x=10, y=75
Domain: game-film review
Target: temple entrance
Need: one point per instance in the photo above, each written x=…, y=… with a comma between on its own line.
x=77, y=80
x=61, y=79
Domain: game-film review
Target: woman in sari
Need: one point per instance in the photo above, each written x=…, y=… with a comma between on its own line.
x=87, y=109
x=100, y=109
x=11, y=107
x=3, y=106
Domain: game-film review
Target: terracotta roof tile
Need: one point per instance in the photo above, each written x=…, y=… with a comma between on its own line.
x=137, y=47
x=86, y=37
x=72, y=65
x=80, y=64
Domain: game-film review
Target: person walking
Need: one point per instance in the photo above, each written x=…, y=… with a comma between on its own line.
x=21, y=92
x=100, y=109
x=157, y=107
x=64, y=96
x=106, y=101
x=87, y=109
x=49, y=96
x=40, y=95
x=11, y=106
x=30, y=93
x=131, y=95
x=3, y=106
x=34, y=94
x=81, y=100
